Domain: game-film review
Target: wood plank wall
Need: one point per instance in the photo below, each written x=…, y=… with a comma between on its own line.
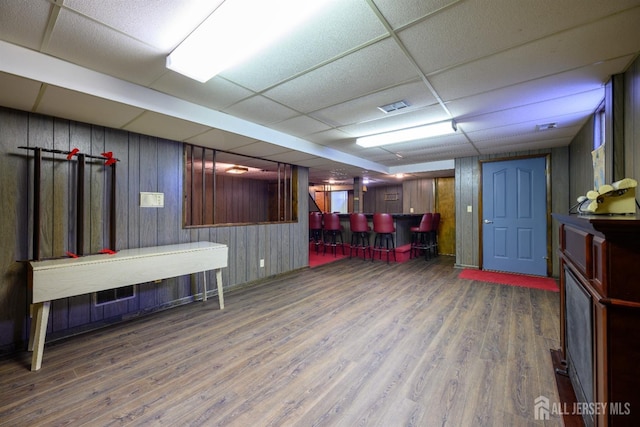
x=146, y=164
x=631, y=125
x=241, y=200
x=418, y=194
x=374, y=199
x=623, y=124
x=581, y=161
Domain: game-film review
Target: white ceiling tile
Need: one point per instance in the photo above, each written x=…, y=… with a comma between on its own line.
x=293, y=157
x=538, y=90
x=366, y=108
x=155, y=124
x=338, y=29
x=13, y=15
x=327, y=137
x=72, y=105
x=366, y=71
x=219, y=139
x=473, y=29
x=316, y=162
x=17, y=92
x=217, y=93
x=260, y=149
x=161, y=23
x=542, y=58
x=581, y=104
x=300, y=126
x=520, y=134
x=260, y=110
x=80, y=41
x=400, y=13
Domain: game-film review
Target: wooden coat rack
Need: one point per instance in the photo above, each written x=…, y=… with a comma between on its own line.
x=110, y=161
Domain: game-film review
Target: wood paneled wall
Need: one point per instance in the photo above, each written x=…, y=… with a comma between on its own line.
x=623, y=122
x=581, y=163
x=146, y=164
x=241, y=200
x=631, y=126
x=418, y=194
x=374, y=199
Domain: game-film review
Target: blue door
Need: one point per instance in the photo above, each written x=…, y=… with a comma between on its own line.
x=514, y=216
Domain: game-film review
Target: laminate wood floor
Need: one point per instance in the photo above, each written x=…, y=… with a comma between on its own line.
x=344, y=344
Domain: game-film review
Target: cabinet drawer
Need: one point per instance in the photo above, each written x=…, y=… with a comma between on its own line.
x=576, y=244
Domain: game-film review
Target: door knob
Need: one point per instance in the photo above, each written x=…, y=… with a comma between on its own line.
x=488, y=221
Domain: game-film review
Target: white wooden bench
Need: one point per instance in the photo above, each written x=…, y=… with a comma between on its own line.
x=61, y=278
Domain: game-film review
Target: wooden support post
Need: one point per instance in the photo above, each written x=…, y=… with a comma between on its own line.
x=112, y=210
x=37, y=171
x=80, y=206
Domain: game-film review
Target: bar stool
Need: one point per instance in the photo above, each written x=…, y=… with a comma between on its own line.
x=332, y=229
x=384, y=229
x=421, y=236
x=359, y=234
x=315, y=229
x=434, y=233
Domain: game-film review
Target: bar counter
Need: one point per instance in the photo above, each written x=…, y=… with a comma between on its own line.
x=402, y=223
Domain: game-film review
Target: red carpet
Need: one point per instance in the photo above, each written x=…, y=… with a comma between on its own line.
x=320, y=259
x=535, y=282
x=402, y=255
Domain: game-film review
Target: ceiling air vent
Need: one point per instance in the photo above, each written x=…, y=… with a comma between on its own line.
x=547, y=126
x=394, y=106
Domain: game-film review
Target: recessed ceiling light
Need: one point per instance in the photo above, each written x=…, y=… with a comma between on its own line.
x=237, y=170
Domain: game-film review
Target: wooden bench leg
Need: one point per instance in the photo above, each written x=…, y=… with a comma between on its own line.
x=38, y=333
x=219, y=282
x=204, y=286
x=32, y=329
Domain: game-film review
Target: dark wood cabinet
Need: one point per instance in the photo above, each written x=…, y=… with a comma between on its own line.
x=600, y=315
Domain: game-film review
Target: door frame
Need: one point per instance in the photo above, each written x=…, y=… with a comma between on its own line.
x=547, y=169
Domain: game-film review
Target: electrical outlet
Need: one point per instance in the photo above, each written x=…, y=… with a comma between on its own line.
x=261, y=263
x=469, y=208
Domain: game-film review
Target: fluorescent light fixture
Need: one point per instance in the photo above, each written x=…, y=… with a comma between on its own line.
x=237, y=170
x=236, y=30
x=410, y=134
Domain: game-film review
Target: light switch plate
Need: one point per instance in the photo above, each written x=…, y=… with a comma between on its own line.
x=151, y=200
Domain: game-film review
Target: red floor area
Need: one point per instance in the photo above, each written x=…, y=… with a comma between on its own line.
x=536, y=282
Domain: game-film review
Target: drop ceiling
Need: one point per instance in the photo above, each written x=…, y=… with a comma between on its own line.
x=500, y=68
